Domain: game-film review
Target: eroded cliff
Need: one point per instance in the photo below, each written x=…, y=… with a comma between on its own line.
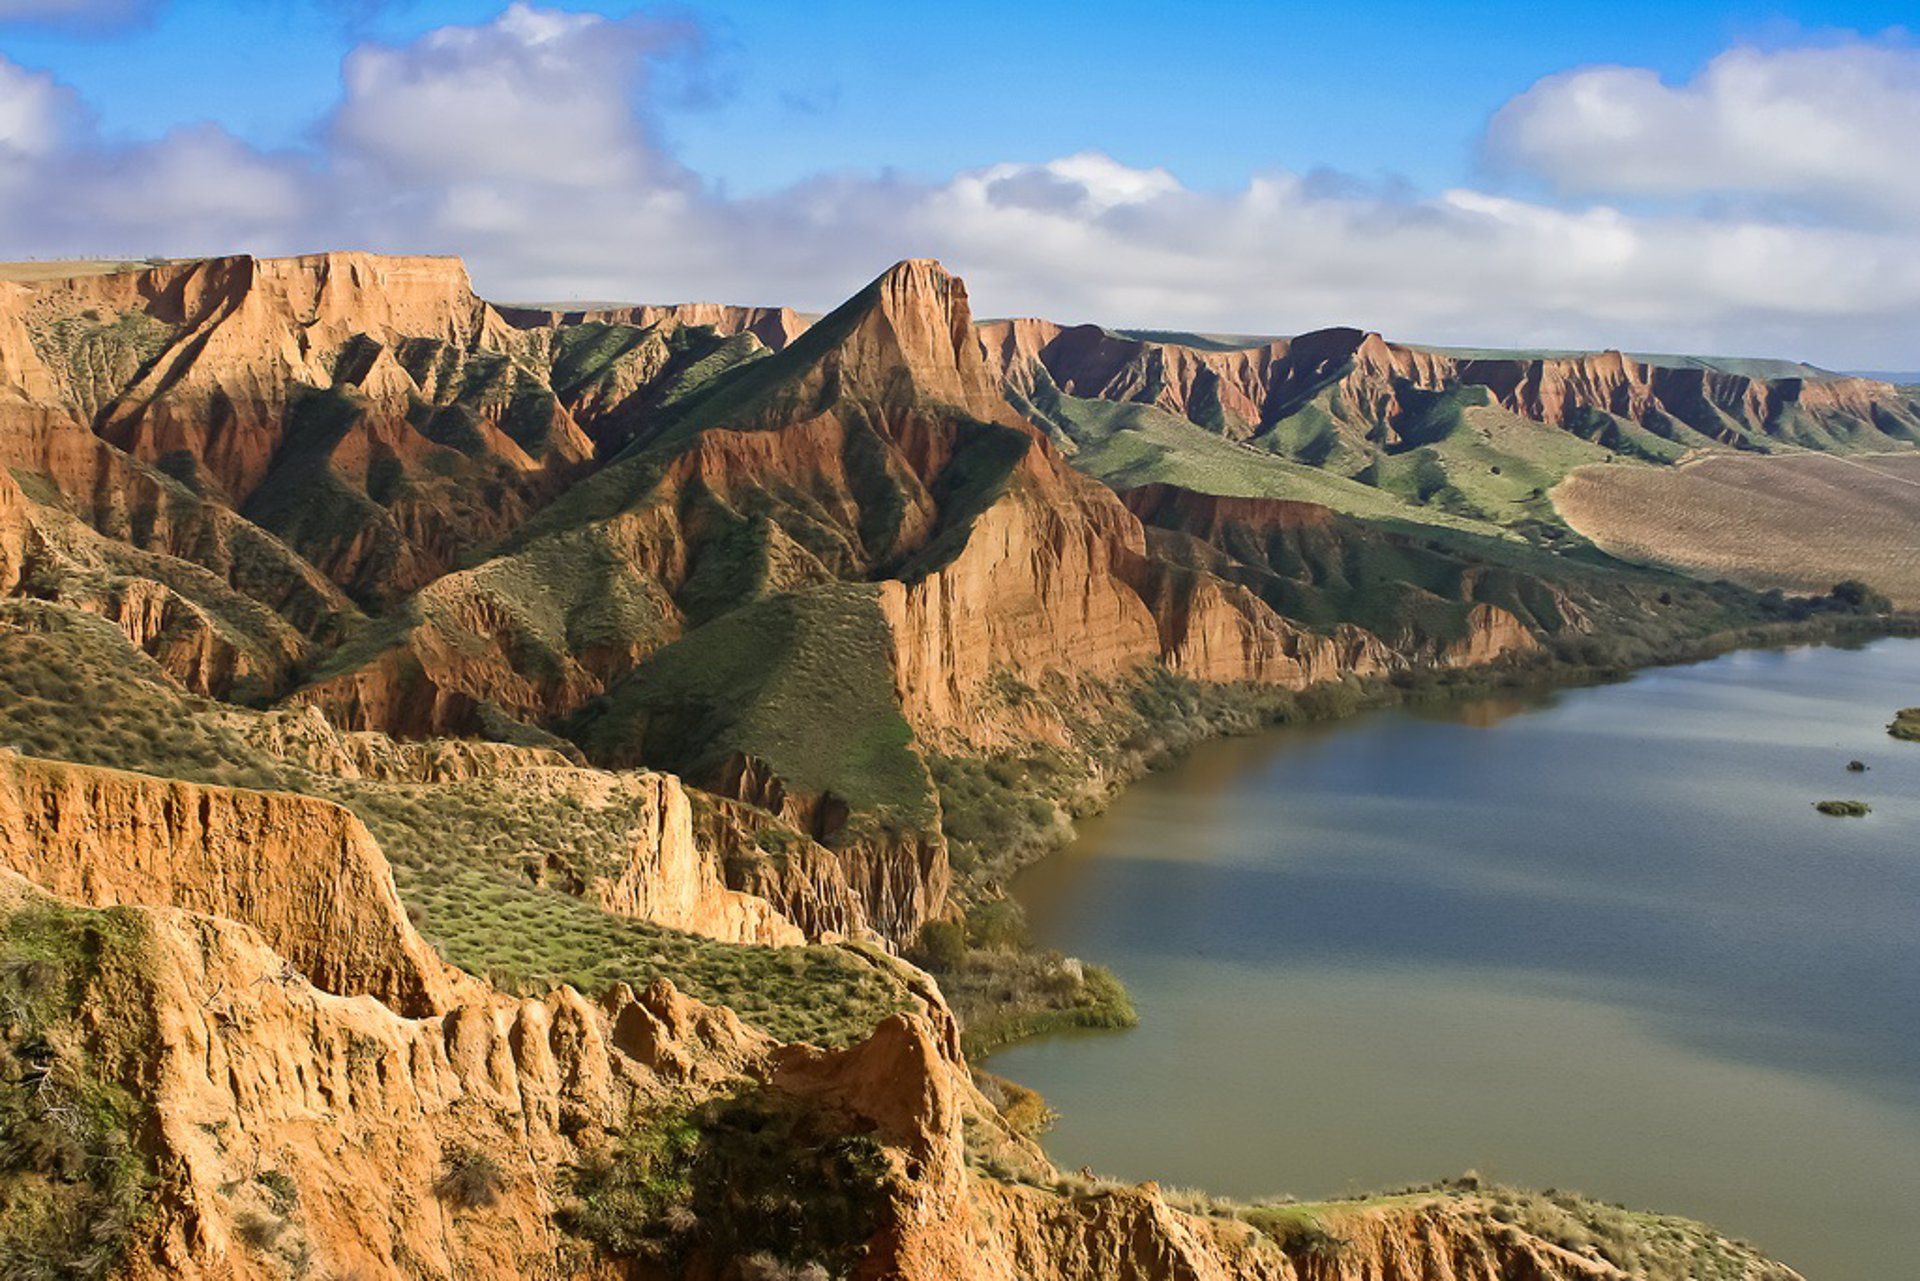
x=292, y=1128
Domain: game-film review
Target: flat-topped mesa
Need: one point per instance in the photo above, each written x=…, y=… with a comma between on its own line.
x=775, y=327
x=251, y=332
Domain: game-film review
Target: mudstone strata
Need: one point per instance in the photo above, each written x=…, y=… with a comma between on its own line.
x=370, y=528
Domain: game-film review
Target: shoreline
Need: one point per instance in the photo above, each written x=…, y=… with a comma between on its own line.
x=1114, y=912
x=1539, y=675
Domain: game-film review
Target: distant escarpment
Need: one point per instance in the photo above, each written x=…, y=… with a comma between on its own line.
x=1336, y=390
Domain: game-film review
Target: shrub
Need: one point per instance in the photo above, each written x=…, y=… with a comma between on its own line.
x=472, y=1181
x=941, y=946
x=1855, y=595
x=751, y=1176
x=74, y=1184
x=997, y=925
x=261, y=1231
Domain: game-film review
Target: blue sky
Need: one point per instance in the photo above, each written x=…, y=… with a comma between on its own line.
x=1245, y=154
x=1388, y=89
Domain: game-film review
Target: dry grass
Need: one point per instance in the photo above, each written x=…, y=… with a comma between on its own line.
x=34, y=269
x=1800, y=522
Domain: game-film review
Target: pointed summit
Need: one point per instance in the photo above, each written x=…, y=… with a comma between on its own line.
x=909, y=334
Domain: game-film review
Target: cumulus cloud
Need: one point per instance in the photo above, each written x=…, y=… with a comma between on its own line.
x=526, y=145
x=65, y=191
x=537, y=95
x=1832, y=128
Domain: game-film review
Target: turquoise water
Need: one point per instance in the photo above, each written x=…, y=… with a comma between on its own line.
x=1596, y=940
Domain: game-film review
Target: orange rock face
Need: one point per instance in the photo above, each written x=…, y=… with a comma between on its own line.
x=1240, y=391
x=321, y=1124
x=301, y=871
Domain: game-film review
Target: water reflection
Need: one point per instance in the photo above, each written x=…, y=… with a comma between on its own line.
x=1598, y=938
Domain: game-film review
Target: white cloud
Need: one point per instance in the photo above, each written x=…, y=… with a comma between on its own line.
x=35, y=112
x=536, y=95
x=1833, y=128
x=524, y=144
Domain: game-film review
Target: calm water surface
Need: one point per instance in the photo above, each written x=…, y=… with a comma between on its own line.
x=1597, y=940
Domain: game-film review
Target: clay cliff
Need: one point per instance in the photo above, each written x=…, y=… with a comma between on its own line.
x=1379, y=391
x=301, y=872
x=874, y=448
x=287, y=1128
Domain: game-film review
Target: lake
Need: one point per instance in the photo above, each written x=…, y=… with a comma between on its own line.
x=1597, y=939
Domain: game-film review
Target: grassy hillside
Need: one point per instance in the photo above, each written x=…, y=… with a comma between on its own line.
x=1128, y=445
x=802, y=682
x=490, y=870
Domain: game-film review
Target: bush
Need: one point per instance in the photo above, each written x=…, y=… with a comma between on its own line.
x=473, y=1180
x=752, y=1176
x=74, y=1183
x=1855, y=595
x=941, y=946
x=997, y=925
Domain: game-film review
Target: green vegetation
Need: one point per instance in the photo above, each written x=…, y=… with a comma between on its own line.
x=1002, y=990
x=1905, y=725
x=1657, y=1247
x=1854, y=596
x=55, y=659
x=493, y=873
x=1457, y=461
x=1128, y=445
x=1462, y=454
x=801, y=681
x=75, y=1185
x=751, y=1176
x=96, y=354
x=1844, y=809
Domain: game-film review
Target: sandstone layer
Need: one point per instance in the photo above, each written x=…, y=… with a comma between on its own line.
x=1243, y=391
x=296, y=1128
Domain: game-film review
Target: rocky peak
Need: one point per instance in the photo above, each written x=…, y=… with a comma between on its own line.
x=912, y=330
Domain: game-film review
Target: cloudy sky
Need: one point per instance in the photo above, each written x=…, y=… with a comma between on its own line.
x=1722, y=178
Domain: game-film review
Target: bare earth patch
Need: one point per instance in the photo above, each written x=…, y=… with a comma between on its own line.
x=1801, y=522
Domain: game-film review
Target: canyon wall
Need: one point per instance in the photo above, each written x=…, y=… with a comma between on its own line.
x=300, y=871
x=1242, y=390
x=295, y=1129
